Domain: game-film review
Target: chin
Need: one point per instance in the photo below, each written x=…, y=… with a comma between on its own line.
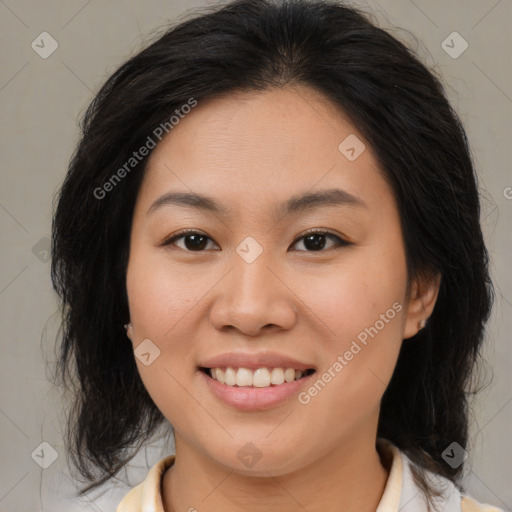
x=249, y=460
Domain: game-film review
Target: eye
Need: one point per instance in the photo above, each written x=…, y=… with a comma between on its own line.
x=195, y=241
x=314, y=240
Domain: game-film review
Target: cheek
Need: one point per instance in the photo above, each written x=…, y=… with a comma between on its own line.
x=159, y=294
x=361, y=314
x=356, y=292
x=159, y=301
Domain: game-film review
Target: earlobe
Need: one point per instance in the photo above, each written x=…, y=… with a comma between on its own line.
x=423, y=296
x=421, y=324
x=129, y=330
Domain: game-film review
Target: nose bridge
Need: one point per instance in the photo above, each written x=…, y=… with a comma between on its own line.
x=252, y=296
x=253, y=262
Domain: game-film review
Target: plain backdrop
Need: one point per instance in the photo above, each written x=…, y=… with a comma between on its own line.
x=41, y=100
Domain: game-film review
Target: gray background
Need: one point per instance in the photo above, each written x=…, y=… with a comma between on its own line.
x=40, y=102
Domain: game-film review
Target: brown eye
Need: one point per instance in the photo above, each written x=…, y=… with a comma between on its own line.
x=194, y=241
x=315, y=241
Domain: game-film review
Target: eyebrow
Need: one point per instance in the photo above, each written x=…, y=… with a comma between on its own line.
x=297, y=203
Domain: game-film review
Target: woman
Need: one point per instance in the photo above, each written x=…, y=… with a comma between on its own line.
x=277, y=202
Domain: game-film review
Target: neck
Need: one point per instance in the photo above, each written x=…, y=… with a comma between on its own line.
x=351, y=477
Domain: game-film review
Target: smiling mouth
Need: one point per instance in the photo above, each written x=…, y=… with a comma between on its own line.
x=258, y=378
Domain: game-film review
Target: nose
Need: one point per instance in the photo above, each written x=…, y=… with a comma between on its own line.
x=254, y=298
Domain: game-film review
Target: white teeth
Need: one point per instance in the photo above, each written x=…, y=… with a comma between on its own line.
x=277, y=376
x=244, y=377
x=289, y=375
x=260, y=378
x=230, y=377
x=220, y=376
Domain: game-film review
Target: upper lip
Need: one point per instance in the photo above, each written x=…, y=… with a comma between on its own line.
x=254, y=361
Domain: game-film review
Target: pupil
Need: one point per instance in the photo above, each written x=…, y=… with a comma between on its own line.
x=198, y=242
x=312, y=242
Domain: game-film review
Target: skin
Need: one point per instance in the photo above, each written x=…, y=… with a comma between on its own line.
x=252, y=151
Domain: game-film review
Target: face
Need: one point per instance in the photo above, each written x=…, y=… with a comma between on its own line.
x=251, y=290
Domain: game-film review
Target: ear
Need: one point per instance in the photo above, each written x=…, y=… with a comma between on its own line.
x=423, y=296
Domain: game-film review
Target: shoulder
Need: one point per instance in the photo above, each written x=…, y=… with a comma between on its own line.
x=147, y=496
x=132, y=500
x=469, y=504
x=405, y=495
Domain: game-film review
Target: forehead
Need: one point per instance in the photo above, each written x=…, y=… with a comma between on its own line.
x=263, y=146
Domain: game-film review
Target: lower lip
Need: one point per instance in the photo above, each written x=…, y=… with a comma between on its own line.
x=251, y=398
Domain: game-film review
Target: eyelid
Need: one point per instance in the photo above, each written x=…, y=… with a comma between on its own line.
x=322, y=231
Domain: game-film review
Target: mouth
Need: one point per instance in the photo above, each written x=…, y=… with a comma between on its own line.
x=264, y=377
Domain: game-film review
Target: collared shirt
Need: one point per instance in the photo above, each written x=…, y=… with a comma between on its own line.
x=401, y=492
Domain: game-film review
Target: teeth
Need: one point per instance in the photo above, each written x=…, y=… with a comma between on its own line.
x=259, y=378
x=289, y=375
x=230, y=377
x=277, y=376
x=244, y=377
x=219, y=375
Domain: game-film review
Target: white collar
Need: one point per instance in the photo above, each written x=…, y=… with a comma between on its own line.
x=402, y=493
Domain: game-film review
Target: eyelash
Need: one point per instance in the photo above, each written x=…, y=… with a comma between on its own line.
x=341, y=241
